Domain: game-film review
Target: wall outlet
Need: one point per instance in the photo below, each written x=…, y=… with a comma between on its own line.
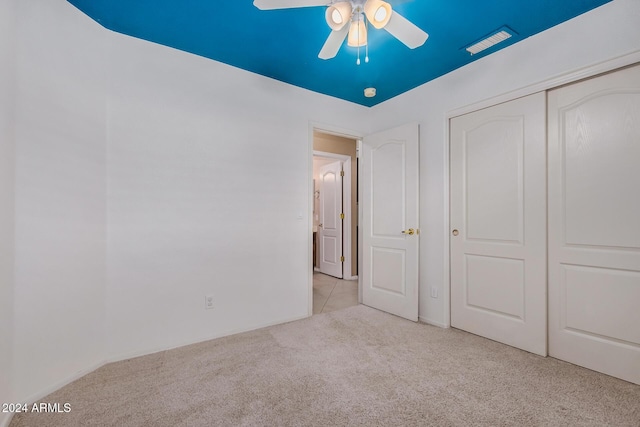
x=208, y=301
x=434, y=292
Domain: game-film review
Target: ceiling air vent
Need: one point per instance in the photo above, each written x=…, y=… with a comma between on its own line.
x=495, y=38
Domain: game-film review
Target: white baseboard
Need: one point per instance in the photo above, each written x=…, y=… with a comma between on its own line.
x=53, y=387
x=146, y=352
x=433, y=322
x=5, y=419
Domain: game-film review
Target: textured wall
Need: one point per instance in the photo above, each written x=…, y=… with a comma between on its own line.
x=209, y=170
x=60, y=195
x=7, y=203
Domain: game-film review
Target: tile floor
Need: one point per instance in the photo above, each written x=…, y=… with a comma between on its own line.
x=331, y=294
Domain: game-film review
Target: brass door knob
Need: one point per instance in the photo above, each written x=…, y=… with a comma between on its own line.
x=410, y=231
x=454, y=232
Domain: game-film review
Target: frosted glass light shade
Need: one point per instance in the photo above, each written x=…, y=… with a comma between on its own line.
x=357, y=34
x=338, y=15
x=378, y=12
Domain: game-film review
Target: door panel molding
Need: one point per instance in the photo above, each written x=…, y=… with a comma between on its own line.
x=594, y=234
x=569, y=77
x=330, y=222
x=389, y=189
x=498, y=186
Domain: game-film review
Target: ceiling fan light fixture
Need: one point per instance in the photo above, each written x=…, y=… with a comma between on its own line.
x=338, y=15
x=378, y=12
x=357, y=33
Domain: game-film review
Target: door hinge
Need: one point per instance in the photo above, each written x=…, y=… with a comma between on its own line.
x=341, y=216
x=341, y=173
x=341, y=259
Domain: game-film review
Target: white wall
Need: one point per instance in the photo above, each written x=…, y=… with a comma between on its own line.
x=208, y=171
x=7, y=161
x=60, y=196
x=604, y=33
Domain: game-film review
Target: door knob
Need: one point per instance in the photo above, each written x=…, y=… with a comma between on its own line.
x=410, y=231
x=320, y=225
x=454, y=232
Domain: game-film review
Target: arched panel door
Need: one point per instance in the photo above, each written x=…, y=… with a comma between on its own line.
x=390, y=227
x=330, y=220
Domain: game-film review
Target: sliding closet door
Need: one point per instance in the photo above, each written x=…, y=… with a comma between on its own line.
x=498, y=223
x=594, y=223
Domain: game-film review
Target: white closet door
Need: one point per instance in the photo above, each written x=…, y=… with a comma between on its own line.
x=594, y=223
x=498, y=223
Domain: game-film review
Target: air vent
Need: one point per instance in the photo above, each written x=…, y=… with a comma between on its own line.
x=486, y=43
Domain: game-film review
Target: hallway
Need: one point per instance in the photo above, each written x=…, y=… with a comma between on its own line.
x=331, y=294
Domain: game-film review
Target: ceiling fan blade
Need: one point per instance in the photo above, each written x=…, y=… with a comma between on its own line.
x=406, y=31
x=288, y=4
x=333, y=43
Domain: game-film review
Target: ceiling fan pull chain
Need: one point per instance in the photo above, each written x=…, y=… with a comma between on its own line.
x=366, y=47
x=358, y=61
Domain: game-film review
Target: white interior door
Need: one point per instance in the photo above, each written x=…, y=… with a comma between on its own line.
x=594, y=223
x=330, y=221
x=389, y=189
x=498, y=222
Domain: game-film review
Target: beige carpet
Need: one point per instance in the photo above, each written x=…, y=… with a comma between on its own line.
x=354, y=367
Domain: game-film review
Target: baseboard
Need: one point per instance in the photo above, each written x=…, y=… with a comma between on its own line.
x=433, y=322
x=5, y=419
x=56, y=386
x=140, y=353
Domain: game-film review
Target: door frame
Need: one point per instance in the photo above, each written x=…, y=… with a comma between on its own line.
x=545, y=85
x=345, y=161
x=345, y=133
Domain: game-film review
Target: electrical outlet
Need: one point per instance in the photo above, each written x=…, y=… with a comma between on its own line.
x=208, y=301
x=434, y=292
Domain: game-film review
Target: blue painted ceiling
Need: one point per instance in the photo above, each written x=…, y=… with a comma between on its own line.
x=284, y=44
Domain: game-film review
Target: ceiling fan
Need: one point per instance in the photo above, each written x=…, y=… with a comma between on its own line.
x=353, y=12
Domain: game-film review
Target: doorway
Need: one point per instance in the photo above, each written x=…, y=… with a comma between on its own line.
x=388, y=233
x=329, y=149
x=334, y=222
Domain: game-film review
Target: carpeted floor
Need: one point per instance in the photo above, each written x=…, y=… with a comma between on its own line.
x=352, y=367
